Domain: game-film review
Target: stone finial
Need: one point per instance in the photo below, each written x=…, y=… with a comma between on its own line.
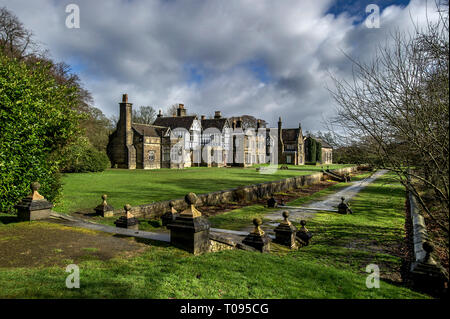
x=303, y=224
x=34, y=191
x=125, y=98
x=257, y=238
x=127, y=209
x=304, y=235
x=104, y=197
x=127, y=220
x=429, y=248
x=104, y=209
x=172, y=207
x=257, y=222
x=285, y=215
x=191, y=199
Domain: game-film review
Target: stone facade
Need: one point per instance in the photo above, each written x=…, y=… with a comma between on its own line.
x=183, y=140
x=291, y=149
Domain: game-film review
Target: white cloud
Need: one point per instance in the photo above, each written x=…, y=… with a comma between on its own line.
x=143, y=48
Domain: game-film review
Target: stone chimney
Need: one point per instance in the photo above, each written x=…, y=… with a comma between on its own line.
x=280, y=141
x=160, y=114
x=181, y=111
x=239, y=123
x=258, y=124
x=217, y=115
x=125, y=120
x=203, y=117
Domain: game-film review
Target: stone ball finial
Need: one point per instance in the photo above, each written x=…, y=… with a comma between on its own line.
x=35, y=186
x=104, y=197
x=285, y=214
x=191, y=198
x=342, y=199
x=257, y=222
x=303, y=222
x=171, y=203
x=428, y=247
x=127, y=207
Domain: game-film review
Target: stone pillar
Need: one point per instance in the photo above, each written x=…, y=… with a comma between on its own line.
x=271, y=202
x=285, y=232
x=304, y=235
x=343, y=207
x=104, y=209
x=170, y=216
x=257, y=238
x=127, y=220
x=190, y=230
x=34, y=206
x=428, y=275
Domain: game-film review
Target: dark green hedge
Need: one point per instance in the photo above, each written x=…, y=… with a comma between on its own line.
x=81, y=157
x=36, y=121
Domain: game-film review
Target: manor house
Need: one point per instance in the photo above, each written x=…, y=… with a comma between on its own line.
x=183, y=140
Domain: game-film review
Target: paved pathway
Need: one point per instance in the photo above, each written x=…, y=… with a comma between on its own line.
x=327, y=204
x=76, y=222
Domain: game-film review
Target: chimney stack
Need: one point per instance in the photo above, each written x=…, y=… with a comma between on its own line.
x=203, y=117
x=239, y=123
x=217, y=115
x=159, y=114
x=125, y=98
x=181, y=111
x=258, y=124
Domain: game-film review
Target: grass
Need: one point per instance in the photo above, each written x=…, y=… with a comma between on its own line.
x=241, y=218
x=82, y=191
x=333, y=266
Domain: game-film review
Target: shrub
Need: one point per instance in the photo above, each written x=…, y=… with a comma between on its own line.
x=81, y=156
x=36, y=120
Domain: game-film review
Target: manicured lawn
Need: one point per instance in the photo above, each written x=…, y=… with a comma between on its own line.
x=82, y=191
x=333, y=266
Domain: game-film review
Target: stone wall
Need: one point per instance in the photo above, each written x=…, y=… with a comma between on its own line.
x=245, y=193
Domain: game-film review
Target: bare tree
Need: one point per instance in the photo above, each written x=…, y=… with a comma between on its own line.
x=398, y=106
x=145, y=115
x=15, y=40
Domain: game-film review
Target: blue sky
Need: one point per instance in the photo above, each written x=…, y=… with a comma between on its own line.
x=260, y=57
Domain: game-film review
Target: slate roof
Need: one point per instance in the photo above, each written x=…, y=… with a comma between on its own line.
x=290, y=134
x=324, y=144
x=150, y=130
x=175, y=121
x=218, y=123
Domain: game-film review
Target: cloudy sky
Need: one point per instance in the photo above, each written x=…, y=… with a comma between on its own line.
x=265, y=58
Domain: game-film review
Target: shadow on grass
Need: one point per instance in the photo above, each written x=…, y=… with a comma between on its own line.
x=9, y=219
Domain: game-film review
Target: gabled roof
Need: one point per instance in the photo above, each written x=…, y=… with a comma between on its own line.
x=290, y=134
x=175, y=121
x=218, y=123
x=322, y=142
x=149, y=130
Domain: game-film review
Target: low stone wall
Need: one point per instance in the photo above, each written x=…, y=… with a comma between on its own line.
x=245, y=193
x=420, y=235
x=426, y=273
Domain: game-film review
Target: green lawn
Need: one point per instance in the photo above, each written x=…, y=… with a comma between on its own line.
x=82, y=191
x=333, y=266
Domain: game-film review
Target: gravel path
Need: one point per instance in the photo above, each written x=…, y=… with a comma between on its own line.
x=329, y=203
